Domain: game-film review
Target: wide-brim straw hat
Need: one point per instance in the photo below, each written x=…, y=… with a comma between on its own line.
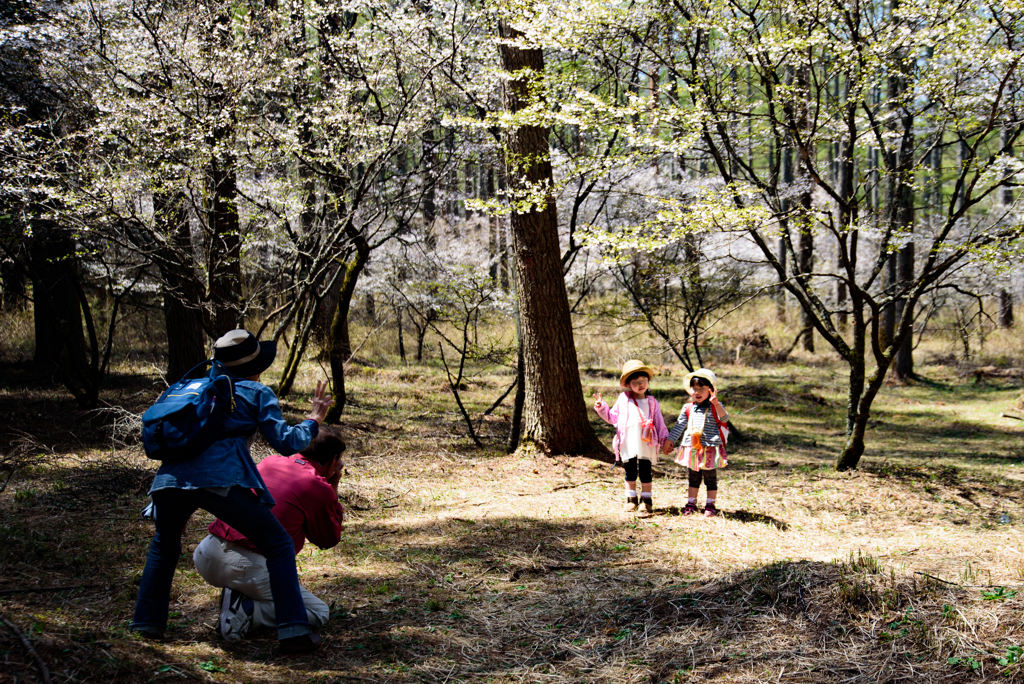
x=634, y=366
x=700, y=373
x=242, y=354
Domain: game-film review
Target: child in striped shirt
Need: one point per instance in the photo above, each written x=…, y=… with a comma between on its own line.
x=703, y=425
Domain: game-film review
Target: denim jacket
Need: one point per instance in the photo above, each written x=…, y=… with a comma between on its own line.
x=227, y=462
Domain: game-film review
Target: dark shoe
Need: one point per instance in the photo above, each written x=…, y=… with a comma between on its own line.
x=710, y=511
x=690, y=508
x=152, y=635
x=298, y=645
x=236, y=611
x=631, y=504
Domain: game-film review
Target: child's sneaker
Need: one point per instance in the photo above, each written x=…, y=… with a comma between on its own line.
x=646, y=508
x=631, y=504
x=710, y=511
x=690, y=508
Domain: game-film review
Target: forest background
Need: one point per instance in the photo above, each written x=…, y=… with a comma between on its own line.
x=462, y=214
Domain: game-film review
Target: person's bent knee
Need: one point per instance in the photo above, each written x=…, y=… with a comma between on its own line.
x=317, y=612
x=204, y=558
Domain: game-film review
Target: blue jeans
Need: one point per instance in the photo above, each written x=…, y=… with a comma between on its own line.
x=242, y=510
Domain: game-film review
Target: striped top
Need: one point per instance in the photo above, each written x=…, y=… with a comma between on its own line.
x=709, y=435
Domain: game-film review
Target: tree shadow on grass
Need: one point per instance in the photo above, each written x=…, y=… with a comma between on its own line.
x=745, y=516
x=481, y=598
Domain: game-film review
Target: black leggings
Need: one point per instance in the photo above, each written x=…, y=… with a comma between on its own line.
x=710, y=478
x=634, y=464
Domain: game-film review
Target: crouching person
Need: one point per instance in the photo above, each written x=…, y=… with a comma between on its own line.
x=305, y=487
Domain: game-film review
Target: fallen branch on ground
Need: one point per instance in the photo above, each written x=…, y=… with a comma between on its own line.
x=544, y=569
x=579, y=484
x=44, y=672
x=34, y=590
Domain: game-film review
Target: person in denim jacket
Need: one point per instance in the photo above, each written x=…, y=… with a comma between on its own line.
x=224, y=481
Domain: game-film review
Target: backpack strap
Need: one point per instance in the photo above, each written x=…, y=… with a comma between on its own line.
x=722, y=433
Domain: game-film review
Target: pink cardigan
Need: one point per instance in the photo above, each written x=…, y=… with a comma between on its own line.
x=617, y=416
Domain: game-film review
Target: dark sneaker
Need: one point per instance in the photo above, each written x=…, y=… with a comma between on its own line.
x=690, y=508
x=235, y=614
x=299, y=645
x=630, y=505
x=710, y=511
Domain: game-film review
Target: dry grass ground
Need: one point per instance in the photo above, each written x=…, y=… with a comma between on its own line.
x=461, y=565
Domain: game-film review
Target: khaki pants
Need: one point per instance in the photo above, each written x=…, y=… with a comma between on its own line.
x=228, y=565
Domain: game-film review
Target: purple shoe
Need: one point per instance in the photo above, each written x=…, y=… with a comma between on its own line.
x=710, y=511
x=690, y=508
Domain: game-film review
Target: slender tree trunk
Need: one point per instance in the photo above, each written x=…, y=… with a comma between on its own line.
x=340, y=344
x=515, y=430
x=1005, y=317
x=887, y=323
x=903, y=366
x=856, y=422
x=399, y=313
x=806, y=224
x=781, y=249
x=13, y=278
x=554, y=413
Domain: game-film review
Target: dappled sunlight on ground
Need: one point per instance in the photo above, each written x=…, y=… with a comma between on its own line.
x=464, y=565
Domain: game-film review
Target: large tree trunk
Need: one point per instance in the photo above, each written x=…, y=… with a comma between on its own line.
x=185, y=343
x=61, y=349
x=225, y=265
x=183, y=293
x=555, y=416
x=1005, y=308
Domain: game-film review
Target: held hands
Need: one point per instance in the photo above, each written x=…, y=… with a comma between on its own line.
x=666, y=447
x=321, y=402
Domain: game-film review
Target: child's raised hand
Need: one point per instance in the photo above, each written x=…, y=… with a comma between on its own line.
x=598, y=401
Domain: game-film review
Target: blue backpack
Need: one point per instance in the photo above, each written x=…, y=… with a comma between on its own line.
x=189, y=416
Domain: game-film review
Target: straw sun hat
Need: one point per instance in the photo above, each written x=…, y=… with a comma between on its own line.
x=634, y=366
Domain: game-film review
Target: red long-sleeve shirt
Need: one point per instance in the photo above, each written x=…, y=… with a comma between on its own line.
x=307, y=505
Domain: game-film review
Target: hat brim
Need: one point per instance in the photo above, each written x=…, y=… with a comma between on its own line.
x=697, y=374
x=642, y=369
x=265, y=359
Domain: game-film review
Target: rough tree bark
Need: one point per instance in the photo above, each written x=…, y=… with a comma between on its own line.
x=182, y=291
x=555, y=417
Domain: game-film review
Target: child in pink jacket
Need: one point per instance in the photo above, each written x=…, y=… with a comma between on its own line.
x=639, y=431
